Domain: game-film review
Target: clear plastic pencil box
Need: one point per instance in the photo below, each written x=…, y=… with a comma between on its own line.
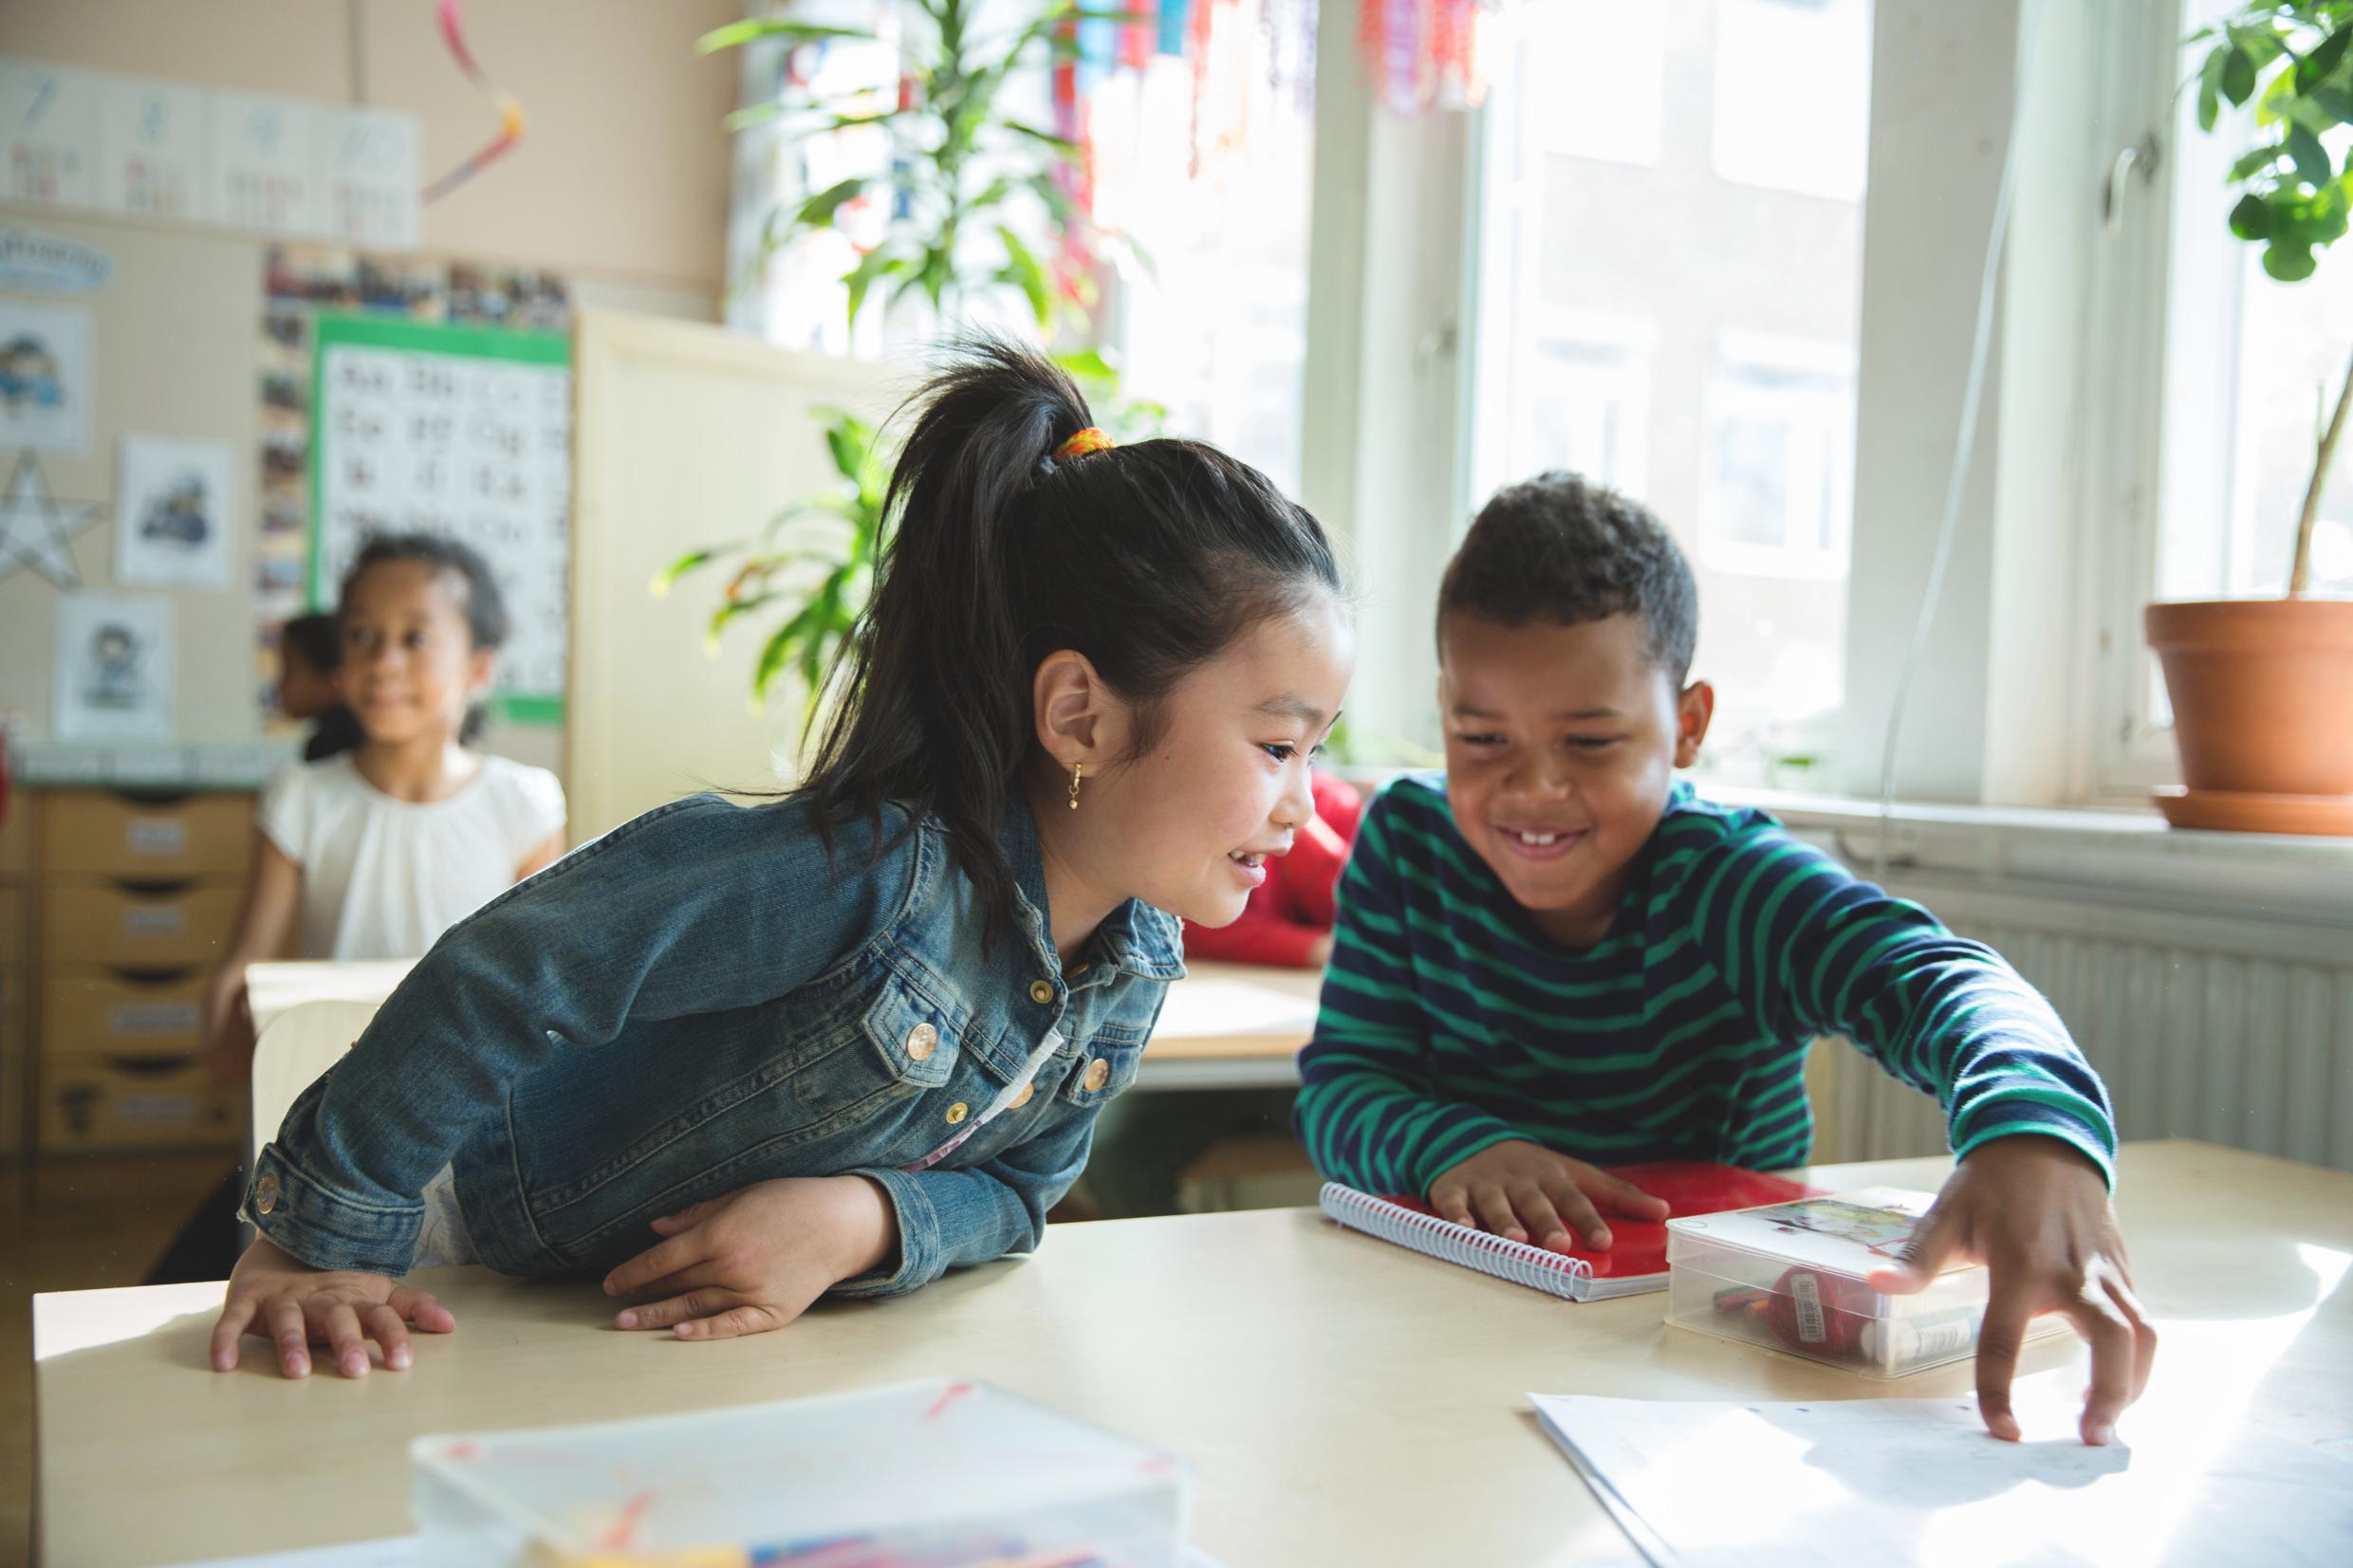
x=1794, y=1277
x=941, y=1474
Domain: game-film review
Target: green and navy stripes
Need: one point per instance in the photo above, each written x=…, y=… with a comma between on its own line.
x=1450, y=1022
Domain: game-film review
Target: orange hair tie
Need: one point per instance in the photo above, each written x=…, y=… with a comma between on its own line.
x=1088, y=440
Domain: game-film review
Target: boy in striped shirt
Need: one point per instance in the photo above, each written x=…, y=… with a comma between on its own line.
x=1556, y=956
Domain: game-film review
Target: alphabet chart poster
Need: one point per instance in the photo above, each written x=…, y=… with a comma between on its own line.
x=458, y=430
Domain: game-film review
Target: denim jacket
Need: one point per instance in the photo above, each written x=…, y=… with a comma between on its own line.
x=700, y=999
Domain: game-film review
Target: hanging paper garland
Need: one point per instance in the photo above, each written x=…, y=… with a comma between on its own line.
x=1425, y=54
x=1137, y=41
x=509, y=111
x=1074, y=266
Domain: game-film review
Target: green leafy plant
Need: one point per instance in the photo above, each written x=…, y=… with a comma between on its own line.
x=2291, y=63
x=960, y=163
x=960, y=166
x=814, y=560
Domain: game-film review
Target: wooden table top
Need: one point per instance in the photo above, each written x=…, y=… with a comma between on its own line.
x=1341, y=1400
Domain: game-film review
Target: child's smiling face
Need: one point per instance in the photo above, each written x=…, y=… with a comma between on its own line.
x=409, y=665
x=1189, y=825
x=1562, y=743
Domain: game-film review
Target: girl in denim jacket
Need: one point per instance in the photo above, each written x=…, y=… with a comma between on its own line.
x=735, y=1059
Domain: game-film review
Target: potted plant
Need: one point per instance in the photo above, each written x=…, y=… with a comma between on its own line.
x=965, y=176
x=813, y=563
x=2262, y=690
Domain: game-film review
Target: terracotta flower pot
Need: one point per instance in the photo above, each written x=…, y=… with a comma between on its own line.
x=2262, y=692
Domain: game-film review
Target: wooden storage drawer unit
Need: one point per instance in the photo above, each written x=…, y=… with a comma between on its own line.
x=127, y=928
x=88, y=1010
x=145, y=839
x=92, y=1104
x=16, y=922
x=17, y=834
x=15, y=1014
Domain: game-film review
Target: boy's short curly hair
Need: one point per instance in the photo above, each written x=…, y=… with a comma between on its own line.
x=1559, y=548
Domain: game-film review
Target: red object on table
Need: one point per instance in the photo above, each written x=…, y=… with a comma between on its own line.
x=1638, y=1247
x=1292, y=912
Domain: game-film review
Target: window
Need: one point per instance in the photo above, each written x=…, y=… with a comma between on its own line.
x=1722, y=234
x=1205, y=171
x=799, y=300
x=1778, y=495
x=1211, y=184
x=1579, y=400
x=1793, y=96
x=2229, y=514
x=1606, y=68
x=2200, y=494
x=1585, y=412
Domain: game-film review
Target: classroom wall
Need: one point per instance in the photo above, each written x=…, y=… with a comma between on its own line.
x=621, y=184
x=622, y=169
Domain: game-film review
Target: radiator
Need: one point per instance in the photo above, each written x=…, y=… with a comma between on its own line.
x=2234, y=1028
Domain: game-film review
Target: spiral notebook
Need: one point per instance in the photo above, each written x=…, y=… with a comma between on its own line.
x=1636, y=1261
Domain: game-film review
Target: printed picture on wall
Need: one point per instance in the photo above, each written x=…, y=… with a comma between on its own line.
x=175, y=515
x=45, y=377
x=114, y=664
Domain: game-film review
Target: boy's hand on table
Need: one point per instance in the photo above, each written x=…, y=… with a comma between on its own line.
x=273, y=1292
x=756, y=1259
x=1524, y=1191
x=2036, y=1214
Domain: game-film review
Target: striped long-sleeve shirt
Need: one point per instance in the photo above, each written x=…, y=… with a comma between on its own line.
x=1450, y=1022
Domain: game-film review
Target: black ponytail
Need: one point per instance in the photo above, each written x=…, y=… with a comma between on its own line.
x=1148, y=559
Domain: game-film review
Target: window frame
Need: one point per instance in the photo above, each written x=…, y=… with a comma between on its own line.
x=1831, y=372
x=2150, y=370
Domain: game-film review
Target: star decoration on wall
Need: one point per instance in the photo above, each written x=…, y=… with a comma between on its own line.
x=37, y=529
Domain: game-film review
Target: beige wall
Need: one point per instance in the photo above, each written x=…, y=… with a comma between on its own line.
x=620, y=183
x=623, y=170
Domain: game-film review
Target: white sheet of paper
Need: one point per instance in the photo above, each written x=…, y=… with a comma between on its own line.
x=367, y=180
x=176, y=513
x=114, y=668
x=389, y=1551
x=49, y=132
x=150, y=149
x=1202, y=1006
x=402, y=1551
x=1899, y=1481
x=259, y=160
x=45, y=390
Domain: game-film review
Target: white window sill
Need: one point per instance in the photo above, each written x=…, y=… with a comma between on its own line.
x=2081, y=851
x=2092, y=854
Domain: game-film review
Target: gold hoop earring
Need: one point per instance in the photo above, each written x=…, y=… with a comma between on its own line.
x=1077, y=771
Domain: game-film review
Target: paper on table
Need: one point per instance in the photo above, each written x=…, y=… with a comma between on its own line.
x=1210, y=1007
x=1866, y=1481
x=400, y=1552
x=389, y=1552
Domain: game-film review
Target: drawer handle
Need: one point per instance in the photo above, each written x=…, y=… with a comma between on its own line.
x=156, y=797
x=179, y=976
x=150, y=1067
